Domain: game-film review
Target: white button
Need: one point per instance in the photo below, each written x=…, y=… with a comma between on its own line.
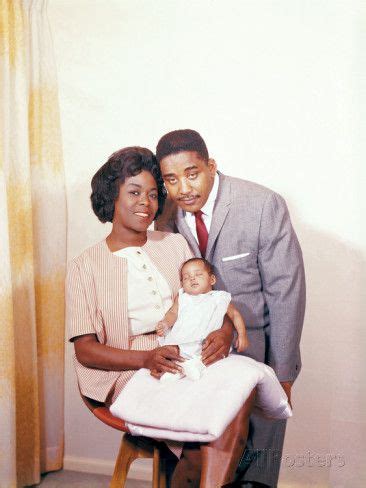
x=144, y=266
x=154, y=292
x=149, y=278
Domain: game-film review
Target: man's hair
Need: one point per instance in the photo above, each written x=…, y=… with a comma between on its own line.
x=181, y=140
x=106, y=182
x=208, y=266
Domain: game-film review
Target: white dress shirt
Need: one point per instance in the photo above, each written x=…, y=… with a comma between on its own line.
x=149, y=295
x=207, y=210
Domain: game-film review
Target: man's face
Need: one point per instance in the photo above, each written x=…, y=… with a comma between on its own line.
x=188, y=179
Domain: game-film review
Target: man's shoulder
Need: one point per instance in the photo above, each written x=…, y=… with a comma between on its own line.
x=249, y=194
x=246, y=189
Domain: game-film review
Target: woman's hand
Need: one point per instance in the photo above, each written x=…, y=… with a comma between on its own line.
x=164, y=360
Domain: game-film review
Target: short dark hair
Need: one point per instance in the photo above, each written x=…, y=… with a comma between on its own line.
x=208, y=266
x=181, y=140
x=106, y=182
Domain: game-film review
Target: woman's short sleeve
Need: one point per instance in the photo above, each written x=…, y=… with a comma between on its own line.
x=79, y=319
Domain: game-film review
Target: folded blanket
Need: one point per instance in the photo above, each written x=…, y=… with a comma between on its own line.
x=200, y=410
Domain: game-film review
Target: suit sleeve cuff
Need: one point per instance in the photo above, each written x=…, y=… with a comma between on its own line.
x=286, y=373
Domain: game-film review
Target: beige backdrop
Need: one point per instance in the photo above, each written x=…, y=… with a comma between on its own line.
x=275, y=89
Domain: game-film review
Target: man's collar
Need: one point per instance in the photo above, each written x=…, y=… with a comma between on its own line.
x=209, y=205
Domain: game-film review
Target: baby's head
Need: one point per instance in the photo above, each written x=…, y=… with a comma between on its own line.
x=197, y=276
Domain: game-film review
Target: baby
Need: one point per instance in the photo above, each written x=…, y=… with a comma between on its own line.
x=197, y=311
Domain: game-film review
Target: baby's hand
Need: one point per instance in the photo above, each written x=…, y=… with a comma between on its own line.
x=241, y=342
x=162, y=328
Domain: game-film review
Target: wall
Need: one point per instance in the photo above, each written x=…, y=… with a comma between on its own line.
x=275, y=90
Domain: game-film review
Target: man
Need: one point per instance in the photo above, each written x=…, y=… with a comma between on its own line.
x=245, y=231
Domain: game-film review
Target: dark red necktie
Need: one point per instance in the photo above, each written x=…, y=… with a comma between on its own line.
x=202, y=233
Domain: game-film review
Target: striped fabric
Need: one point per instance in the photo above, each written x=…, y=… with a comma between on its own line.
x=96, y=303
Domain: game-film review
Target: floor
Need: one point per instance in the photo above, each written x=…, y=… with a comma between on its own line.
x=73, y=479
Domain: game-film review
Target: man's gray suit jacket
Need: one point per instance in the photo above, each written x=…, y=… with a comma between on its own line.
x=257, y=258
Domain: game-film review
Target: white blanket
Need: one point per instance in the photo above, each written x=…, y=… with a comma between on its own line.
x=199, y=410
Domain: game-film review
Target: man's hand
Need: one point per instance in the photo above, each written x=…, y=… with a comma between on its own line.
x=164, y=359
x=216, y=346
x=286, y=385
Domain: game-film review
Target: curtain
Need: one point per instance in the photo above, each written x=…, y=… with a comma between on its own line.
x=32, y=248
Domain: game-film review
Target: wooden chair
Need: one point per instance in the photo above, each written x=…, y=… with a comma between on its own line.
x=131, y=448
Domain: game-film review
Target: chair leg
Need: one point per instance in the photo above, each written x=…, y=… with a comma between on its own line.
x=128, y=452
x=133, y=448
x=156, y=468
x=159, y=473
x=162, y=474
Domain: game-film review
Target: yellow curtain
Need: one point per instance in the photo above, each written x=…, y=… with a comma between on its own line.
x=32, y=248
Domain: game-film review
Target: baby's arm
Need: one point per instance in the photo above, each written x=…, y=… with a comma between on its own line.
x=239, y=324
x=168, y=320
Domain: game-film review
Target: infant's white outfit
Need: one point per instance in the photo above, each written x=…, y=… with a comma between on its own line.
x=198, y=315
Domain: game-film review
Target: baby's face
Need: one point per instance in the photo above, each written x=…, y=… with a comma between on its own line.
x=196, y=279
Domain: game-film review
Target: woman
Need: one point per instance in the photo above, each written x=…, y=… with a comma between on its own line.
x=119, y=289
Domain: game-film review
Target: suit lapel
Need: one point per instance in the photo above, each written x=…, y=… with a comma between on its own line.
x=183, y=229
x=221, y=209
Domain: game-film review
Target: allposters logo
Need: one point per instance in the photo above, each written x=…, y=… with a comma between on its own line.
x=264, y=458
